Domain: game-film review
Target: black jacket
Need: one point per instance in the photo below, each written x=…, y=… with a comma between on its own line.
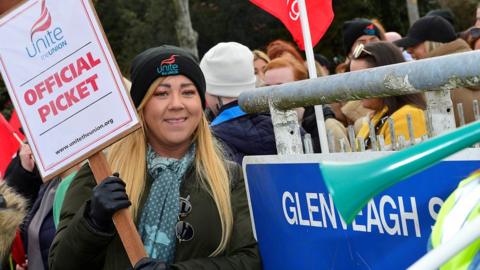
x=251, y=134
x=79, y=246
x=22, y=181
x=309, y=123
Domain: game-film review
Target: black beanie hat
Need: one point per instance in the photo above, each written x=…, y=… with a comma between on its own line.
x=447, y=14
x=164, y=61
x=356, y=28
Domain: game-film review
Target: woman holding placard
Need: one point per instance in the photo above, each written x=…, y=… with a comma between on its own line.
x=189, y=205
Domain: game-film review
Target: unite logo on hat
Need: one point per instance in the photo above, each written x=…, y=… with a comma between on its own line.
x=168, y=66
x=369, y=30
x=49, y=43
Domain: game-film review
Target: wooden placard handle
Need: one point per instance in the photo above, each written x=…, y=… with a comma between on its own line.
x=122, y=218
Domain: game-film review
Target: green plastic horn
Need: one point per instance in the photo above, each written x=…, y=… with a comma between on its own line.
x=353, y=185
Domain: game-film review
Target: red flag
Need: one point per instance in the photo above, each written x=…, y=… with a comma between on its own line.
x=16, y=125
x=8, y=144
x=18, y=252
x=320, y=16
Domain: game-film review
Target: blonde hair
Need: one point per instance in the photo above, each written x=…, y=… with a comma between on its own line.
x=259, y=55
x=319, y=69
x=432, y=45
x=10, y=218
x=128, y=158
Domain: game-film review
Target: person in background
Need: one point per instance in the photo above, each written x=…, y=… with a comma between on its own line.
x=66, y=179
x=355, y=32
x=282, y=70
x=260, y=60
x=282, y=48
x=23, y=176
x=306, y=116
x=433, y=36
x=394, y=36
x=360, y=31
x=325, y=64
x=445, y=13
x=228, y=72
x=380, y=27
x=13, y=208
x=395, y=107
x=472, y=37
x=188, y=203
x=37, y=229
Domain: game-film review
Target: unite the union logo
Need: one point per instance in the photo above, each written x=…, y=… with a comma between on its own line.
x=369, y=30
x=168, y=66
x=45, y=41
x=43, y=23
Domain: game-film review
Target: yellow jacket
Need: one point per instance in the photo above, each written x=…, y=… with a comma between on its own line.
x=400, y=124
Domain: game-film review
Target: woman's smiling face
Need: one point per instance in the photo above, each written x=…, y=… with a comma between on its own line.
x=172, y=114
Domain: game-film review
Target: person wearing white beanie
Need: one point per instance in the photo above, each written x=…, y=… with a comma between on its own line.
x=228, y=69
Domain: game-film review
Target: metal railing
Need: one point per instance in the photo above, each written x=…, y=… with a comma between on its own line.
x=434, y=76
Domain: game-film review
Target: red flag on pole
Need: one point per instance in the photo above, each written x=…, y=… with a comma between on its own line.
x=320, y=16
x=16, y=125
x=8, y=144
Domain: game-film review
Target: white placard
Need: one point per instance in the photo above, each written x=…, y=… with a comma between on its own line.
x=63, y=81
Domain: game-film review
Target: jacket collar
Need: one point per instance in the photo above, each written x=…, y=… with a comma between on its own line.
x=456, y=46
x=228, y=106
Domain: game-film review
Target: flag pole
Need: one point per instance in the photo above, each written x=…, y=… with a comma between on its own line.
x=312, y=72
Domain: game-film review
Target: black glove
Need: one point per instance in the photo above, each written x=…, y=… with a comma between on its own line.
x=108, y=197
x=150, y=264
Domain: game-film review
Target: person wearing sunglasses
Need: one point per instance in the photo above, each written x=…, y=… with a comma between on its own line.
x=397, y=108
x=472, y=37
x=188, y=203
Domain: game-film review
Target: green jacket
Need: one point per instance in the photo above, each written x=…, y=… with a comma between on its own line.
x=78, y=246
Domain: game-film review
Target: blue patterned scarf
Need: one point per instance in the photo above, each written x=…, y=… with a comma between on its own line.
x=160, y=213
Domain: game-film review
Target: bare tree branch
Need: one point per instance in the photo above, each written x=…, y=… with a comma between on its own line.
x=187, y=37
x=412, y=7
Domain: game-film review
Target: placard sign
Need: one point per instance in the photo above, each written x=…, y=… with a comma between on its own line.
x=298, y=227
x=63, y=81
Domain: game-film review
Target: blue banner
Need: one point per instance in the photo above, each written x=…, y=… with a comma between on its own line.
x=297, y=226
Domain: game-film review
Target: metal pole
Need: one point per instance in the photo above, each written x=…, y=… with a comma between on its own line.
x=312, y=71
x=439, y=73
x=440, y=112
x=287, y=132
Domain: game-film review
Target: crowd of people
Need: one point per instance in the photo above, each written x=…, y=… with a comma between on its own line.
x=180, y=175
